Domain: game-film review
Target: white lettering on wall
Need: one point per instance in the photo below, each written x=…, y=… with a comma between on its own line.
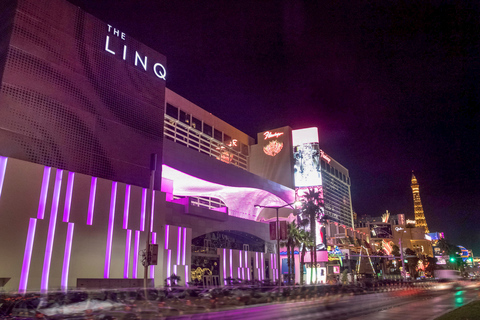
x=158, y=69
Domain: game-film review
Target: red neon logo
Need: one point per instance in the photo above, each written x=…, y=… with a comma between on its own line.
x=324, y=156
x=269, y=135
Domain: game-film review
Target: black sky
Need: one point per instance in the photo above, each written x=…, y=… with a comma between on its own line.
x=393, y=86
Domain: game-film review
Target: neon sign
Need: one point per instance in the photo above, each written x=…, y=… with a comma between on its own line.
x=398, y=229
x=324, y=156
x=410, y=221
x=273, y=148
x=158, y=69
x=268, y=135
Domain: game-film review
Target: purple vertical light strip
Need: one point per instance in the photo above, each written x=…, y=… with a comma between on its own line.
x=151, y=212
x=142, y=212
x=152, y=267
x=68, y=197
x=128, y=243
x=246, y=259
x=169, y=262
x=224, y=266
x=256, y=260
x=179, y=245
x=262, y=266
x=43, y=193
x=167, y=234
x=126, y=207
x=136, y=252
x=248, y=274
x=111, y=220
x=238, y=272
x=231, y=265
x=184, y=245
x=51, y=230
x=3, y=169
x=91, y=201
x=27, y=255
x=240, y=258
x=66, y=256
x=186, y=276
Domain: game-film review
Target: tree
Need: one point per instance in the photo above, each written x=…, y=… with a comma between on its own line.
x=306, y=240
x=311, y=211
x=292, y=241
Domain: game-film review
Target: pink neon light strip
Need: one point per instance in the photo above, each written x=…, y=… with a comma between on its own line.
x=91, y=202
x=111, y=220
x=3, y=169
x=238, y=273
x=152, y=267
x=248, y=274
x=224, y=266
x=136, y=251
x=256, y=259
x=51, y=231
x=169, y=262
x=231, y=265
x=263, y=265
x=128, y=243
x=126, y=207
x=179, y=246
x=68, y=197
x=142, y=212
x=27, y=256
x=246, y=259
x=187, y=278
x=43, y=193
x=184, y=245
x=151, y=213
x=240, y=258
x=67, y=255
x=167, y=234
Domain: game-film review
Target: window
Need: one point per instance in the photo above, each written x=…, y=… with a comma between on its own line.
x=184, y=117
x=196, y=124
x=208, y=130
x=217, y=135
x=244, y=149
x=172, y=111
x=323, y=164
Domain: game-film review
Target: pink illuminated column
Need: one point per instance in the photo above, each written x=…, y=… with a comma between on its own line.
x=68, y=197
x=184, y=245
x=43, y=193
x=66, y=256
x=179, y=244
x=231, y=264
x=262, y=266
x=167, y=234
x=225, y=266
x=111, y=220
x=142, y=212
x=136, y=252
x=3, y=169
x=169, y=263
x=51, y=231
x=126, y=207
x=126, y=264
x=27, y=256
x=152, y=267
x=91, y=201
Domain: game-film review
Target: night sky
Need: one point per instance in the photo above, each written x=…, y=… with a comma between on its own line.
x=393, y=86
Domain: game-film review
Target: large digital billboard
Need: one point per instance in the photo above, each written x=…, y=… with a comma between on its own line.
x=78, y=93
x=381, y=230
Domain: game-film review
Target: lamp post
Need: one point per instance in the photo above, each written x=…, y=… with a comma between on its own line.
x=277, y=236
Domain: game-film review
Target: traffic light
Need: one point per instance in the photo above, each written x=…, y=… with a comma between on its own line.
x=405, y=260
x=452, y=259
x=470, y=259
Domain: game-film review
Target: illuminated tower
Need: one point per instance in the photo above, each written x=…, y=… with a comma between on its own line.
x=417, y=206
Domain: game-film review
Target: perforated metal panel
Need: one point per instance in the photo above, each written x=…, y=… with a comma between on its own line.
x=67, y=102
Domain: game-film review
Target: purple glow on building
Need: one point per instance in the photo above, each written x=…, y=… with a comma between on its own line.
x=51, y=230
x=179, y=245
x=111, y=220
x=256, y=260
x=186, y=276
x=167, y=234
x=3, y=169
x=240, y=258
x=151, y=212
x=126, y=207
x=238, y=273
x=224, y=266
x=169, y=262
x=184, y=245
x=27, y=256
x=68, y=197
x=67, y=255
x=248, y=274
x=128, y=241
x=152, y=267
x=231, y=265
x=43, y=193
x=136, y=251
x=142, y=212
x=91, y=201
x=246, y=259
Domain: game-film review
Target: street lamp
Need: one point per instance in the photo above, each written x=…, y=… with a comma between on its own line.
x=277, y=229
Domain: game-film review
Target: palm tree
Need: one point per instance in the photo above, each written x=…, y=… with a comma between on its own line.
x=311, y=211
x=306, y=240
x=294, y=241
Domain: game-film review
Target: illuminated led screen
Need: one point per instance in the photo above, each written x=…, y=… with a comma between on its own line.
x=379, y=230
x=77, y=93
x=307, y=165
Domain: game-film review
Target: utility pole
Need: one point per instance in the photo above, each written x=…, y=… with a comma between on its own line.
x=148, y=211
x=403, y=262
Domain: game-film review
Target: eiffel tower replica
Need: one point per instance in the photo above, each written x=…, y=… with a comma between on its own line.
x=417, y=205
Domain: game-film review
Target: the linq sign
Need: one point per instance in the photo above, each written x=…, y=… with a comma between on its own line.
x=114, y=46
